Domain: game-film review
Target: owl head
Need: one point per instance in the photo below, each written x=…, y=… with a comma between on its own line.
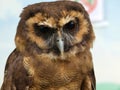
x=60, y=28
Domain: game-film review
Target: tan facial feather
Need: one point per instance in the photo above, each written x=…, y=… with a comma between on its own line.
x=48, y=22
x=41, y=20
x=39, y=41
x=82, y=30
x=83, y=23
x=31, y=34
x=65, y=20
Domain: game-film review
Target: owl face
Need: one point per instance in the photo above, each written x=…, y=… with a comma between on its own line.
x=59, y=28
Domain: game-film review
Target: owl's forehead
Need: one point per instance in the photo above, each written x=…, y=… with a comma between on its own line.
x=49, y=20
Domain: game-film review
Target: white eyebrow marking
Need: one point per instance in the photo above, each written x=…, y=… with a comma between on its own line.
x=48, y=22
x=69, y=18
x=45, y=23
x=66, y=19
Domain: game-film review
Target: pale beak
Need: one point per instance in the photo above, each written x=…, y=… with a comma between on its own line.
x=60, y=45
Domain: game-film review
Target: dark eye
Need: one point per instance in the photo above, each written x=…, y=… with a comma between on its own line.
x=69, y=26
x=43, y=30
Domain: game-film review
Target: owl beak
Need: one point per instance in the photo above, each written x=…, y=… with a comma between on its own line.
x=60, y=44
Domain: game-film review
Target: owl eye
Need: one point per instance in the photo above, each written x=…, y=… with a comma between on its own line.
x=43, y=30
x=69, y=26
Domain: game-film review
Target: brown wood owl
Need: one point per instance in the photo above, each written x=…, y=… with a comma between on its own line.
x=52, y=51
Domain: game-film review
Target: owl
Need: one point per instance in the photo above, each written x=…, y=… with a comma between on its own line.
x=53, y=42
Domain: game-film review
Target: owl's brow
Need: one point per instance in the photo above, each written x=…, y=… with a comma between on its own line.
x=46, y=24
x=65, y=20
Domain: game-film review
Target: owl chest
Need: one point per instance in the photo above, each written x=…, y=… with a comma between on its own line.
x=57, y=74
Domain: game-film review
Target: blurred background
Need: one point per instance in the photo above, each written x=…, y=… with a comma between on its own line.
x=105, y=17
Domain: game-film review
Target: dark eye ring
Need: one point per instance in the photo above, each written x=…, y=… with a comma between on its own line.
x=70, y=25
x=43, y=30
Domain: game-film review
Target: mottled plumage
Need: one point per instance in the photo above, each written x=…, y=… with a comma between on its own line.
x=53, y=42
